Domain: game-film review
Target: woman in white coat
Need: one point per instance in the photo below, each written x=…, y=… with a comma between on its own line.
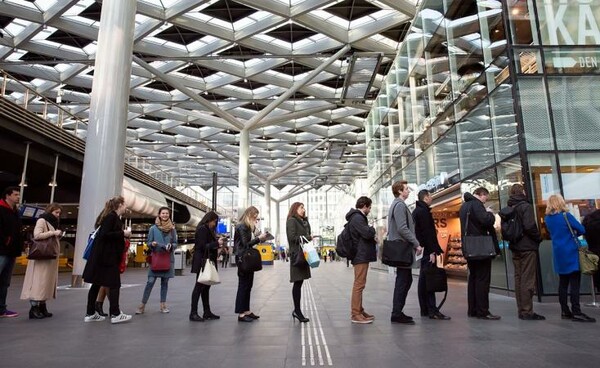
x=41, y=276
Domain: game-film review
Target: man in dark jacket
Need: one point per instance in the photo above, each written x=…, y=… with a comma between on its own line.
x=525, y=254
x=591, y=223
x=427, y=237
x=363, y=236
x=11, y=243
x=480, y=222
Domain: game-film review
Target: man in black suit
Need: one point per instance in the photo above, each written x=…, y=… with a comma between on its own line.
x=427, y=237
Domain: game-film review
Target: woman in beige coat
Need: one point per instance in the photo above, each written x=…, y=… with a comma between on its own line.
x=41, y=276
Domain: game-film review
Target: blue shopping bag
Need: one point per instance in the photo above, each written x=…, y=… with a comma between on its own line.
x=310, y=252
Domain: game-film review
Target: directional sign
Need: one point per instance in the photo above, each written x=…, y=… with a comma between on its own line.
x=563, y=62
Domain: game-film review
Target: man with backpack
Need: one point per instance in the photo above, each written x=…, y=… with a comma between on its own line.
x=519, y=228
x=363, y=239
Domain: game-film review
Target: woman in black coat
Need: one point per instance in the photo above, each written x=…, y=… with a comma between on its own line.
x=102, y=268
x=296, y=226
x=591, y=223
x=244, y=239
x=207, y=245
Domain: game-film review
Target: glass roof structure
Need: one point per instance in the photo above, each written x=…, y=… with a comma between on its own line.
x=240, y=56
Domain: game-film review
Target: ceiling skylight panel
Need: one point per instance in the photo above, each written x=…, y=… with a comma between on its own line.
x=23, y=3
x=16, y=55
x=75, y=9
x=330, y=18
x=91, y=48
x=43, y=34
x=16, y=27
x=203, y=18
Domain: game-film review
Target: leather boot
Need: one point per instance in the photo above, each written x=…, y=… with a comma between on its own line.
x=99, y=309
x=44, y=310
x=35, y=312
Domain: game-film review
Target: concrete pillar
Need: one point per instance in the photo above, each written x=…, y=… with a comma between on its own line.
x=106, y=136
x=244, y=165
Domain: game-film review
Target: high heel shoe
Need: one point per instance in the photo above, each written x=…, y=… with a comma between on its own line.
x=300, y=317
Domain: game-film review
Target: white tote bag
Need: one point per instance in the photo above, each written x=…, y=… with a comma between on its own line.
x=310, y=252
x=209, y=275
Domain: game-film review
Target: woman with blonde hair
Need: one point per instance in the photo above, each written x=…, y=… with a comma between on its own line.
x=41, y=276
x=162, y=238
x=102, y=267
x=563, y=228
x=243, y=239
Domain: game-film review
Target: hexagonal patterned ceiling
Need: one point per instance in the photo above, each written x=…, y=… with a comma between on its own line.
x=240, y=56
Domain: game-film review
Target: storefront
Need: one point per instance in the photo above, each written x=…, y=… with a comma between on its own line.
x=492, y=93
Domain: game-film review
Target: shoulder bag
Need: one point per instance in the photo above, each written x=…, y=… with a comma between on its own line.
x=250, y=261
x=588, y=261
x=161, y=260
x=90, y=244
x=397, y=253
x=477, y=247
x=44, y=248
x=209, y=274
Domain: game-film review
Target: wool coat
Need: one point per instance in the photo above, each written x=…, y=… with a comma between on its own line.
x=41, y=276
x=296, y=227
x=102, y=268
x=205, y=244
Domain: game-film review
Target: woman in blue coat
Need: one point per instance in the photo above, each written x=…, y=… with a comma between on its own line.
x=565, y=255
x=162, y=237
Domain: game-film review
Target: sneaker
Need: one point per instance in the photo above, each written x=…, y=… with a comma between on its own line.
x=582, y=317
x=402, y=318
x=360, y=319
x=120, y=318
x=93, y=318
x=9, y=314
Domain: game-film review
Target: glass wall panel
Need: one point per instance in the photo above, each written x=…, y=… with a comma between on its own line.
x=446, y=153
x=504, y=124
x=535, y=112
x=523, y=26
x=576, y=110
x=475, y=141
x=569, y=22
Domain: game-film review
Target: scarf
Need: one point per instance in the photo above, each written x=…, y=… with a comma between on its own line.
x=164, y=226
x=51, y=219
x=6, y=205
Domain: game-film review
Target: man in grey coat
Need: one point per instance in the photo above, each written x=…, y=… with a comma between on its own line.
x=401, y=227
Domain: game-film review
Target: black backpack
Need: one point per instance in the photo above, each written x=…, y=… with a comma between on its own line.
x=344, y=245
x=511, y=224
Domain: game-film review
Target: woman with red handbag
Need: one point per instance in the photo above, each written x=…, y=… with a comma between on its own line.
x=162, y=240
x=41, y=276
x=102, y=267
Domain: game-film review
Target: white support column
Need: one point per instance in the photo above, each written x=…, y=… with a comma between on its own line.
x=244, y=166
x=53, y=183
x=103, y=162
x=23, y=182
x=267, y=215
x=277, y=224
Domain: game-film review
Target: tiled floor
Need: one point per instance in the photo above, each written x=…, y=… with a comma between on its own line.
x=170, y=340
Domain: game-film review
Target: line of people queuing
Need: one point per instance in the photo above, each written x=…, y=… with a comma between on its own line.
x=103, y=270
x=418, y=230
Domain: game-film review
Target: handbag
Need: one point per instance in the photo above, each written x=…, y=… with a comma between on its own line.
x=250, y=261
x=436, y=280
x=90, y=244
x=160, y=261
x=397, y=253
x=477, y=247
x=43, y=248
x=310, y=252
x=299, y=259
x=209, y=274
x=588, y=261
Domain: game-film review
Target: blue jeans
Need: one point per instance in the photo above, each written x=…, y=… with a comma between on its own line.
x=7, y=263
x=164, y=287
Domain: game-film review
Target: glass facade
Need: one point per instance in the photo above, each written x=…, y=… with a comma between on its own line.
x=492, y=93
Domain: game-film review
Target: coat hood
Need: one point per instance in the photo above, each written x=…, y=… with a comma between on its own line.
x=352, y=212
x=468, y=197
x=516, y=199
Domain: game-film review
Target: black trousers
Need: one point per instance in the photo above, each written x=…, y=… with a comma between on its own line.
x=242, y=299
x=200, y=291
x=426, y=300
x=401, y=288
x=478, y=287
x=113, y=299
x=574, y=280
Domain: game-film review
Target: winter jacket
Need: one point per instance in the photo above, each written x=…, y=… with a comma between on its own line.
x=531, y=235
x=205, y=243
x=363, y=236
x=564, y=248
x=425, y=229
x=11, y=241
x=591, y=223
x=481, y=222
x=296, y=227
x=162, y=239
x=102, y=268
